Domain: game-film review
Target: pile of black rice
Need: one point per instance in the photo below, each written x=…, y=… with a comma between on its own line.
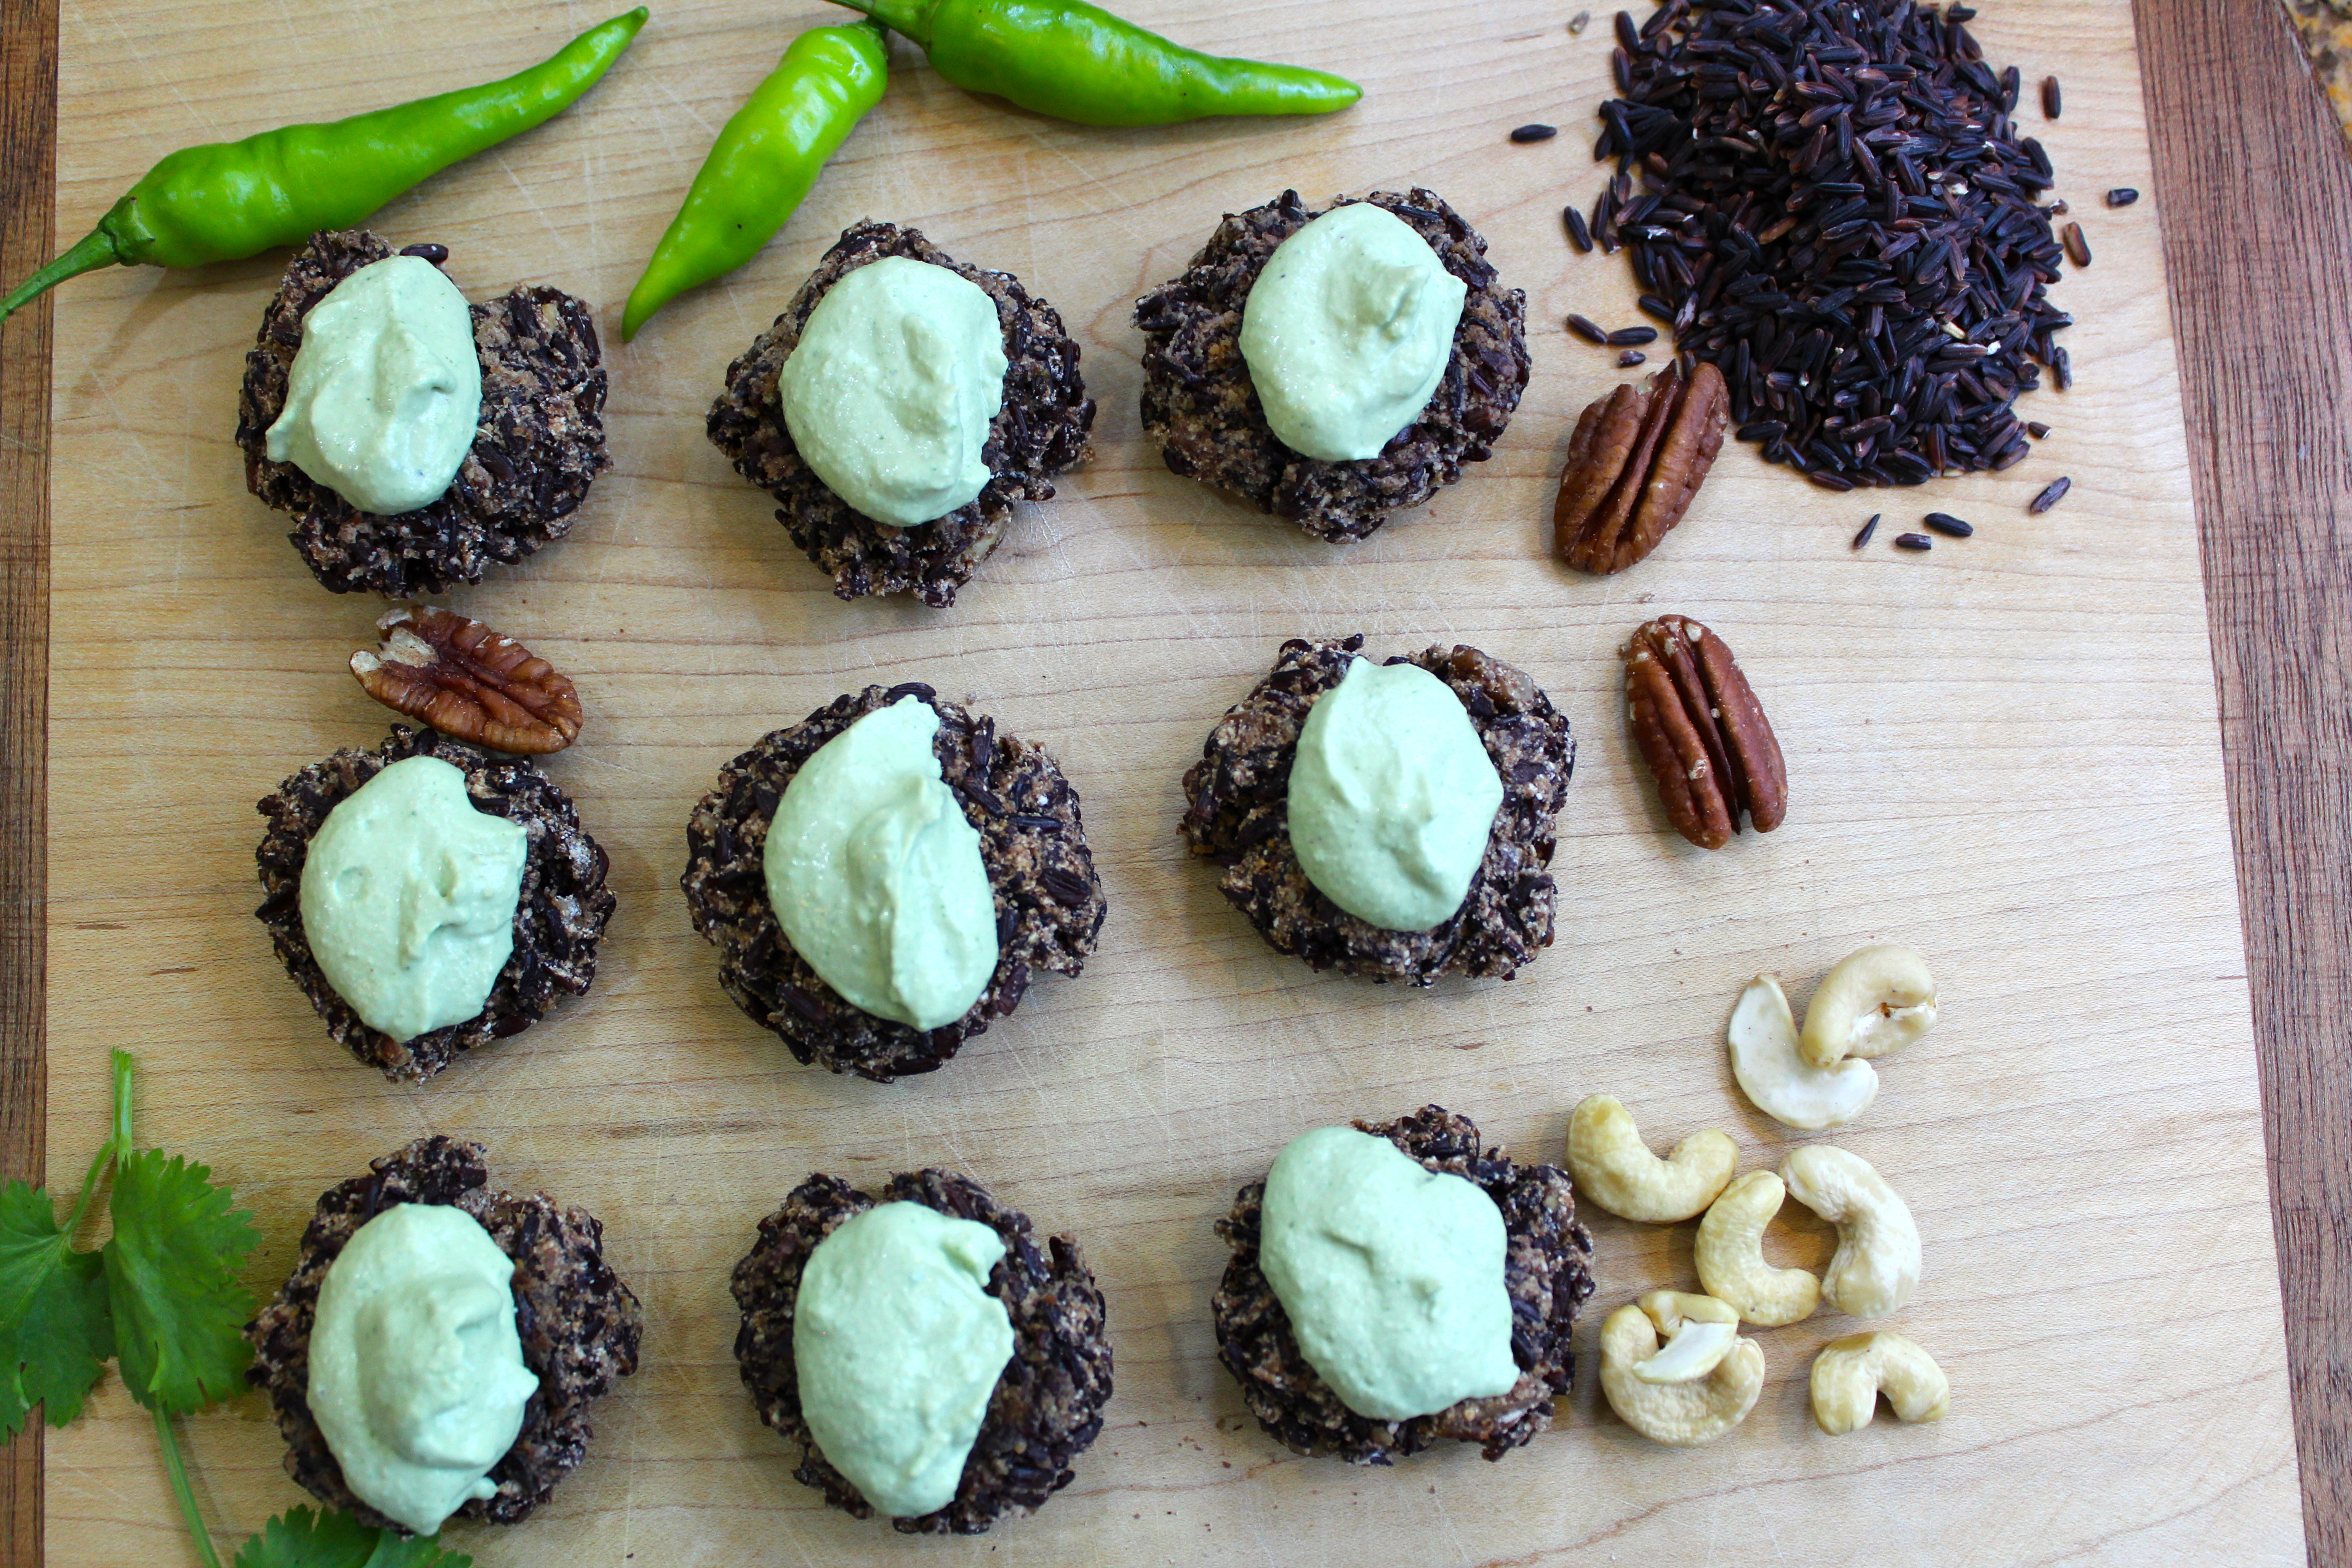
x=1835, y=208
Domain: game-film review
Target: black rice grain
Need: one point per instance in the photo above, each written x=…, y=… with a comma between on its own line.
x=1625, y=335
x=2062, y=371
x=1914, y=542
x=2122, y=196
x=1829, y=201
x=1527, y=133
x=2038, y=430
x=1590, y=331
x=2052, y=99
x=2078, y=249
x=1868, y=530
x=1631, y=358
x=2051, y=497
x=1578, y=234
x=1575, y=23
x=1948, y=525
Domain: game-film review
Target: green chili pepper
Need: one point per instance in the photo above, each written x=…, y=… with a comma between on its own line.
x=1074, y=61
x=764, y=162
x=228, y=200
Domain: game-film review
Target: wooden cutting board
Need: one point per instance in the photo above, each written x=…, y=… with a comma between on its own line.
x=2004, y=753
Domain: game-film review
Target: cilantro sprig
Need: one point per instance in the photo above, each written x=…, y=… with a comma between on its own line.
x=162, y=1299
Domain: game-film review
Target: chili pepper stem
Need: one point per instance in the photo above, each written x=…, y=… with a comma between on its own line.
x=910, y=19
x=93, y=250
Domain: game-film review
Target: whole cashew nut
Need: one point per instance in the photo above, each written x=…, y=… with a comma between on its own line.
x=1875, y=1001
x=1680, y=1415
x=1730, y=1256
x=1851, y=1373
x=1877, y=1262
x=1611, y=1165
x=1762, y=1036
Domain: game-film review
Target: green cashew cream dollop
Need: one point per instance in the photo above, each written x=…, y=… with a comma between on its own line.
x=1391, y=796
x=409, y=897
x=1348, y=331
x=416, y=1372
x=1392, y=1275
x=386, y=388
x=889, y=392
x=876, y=876
x=897, y=1345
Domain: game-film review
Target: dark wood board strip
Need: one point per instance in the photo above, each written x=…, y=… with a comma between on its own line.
x=2255, y=190
x=28, y=102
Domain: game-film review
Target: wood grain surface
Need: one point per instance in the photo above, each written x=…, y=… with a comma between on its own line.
x=2259, y=224
x=2080, y=1140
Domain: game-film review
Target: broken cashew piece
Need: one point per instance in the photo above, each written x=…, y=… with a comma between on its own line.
x=1700, y=1332
x=1684, y=1413
x=1877, y=1262
x=1875, y=1001
x=1730, y=1256
x=1611, y=1165
x=1762, y=1036
x=1851, y=1373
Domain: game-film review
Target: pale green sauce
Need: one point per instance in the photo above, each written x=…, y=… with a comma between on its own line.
x=1392, y=1275
x=417, y=1373
x=1392, y=796
x=386, y=388
x=897, y=1345
x=877, y=877
x=409, y=897
x=890, y=389
x=1347, y=331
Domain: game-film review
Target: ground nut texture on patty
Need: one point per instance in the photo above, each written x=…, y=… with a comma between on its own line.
x=1547, y=1268
x=1238, y=810
x=579, y=1324
x=1047, y=1406
x=1049, y=900
x=1040, y=431
x=1200, y=405
x=540, y=442
x=558, y=920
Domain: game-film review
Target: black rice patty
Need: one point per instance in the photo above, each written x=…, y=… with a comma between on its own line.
x=578, y=1323
x=1237, y=808
x=1546, y=1266
x=1040, y=431
x=1047, y=1407
x=557, y=921
x=1049, y=900
x=540, y=443
x=1200, y=405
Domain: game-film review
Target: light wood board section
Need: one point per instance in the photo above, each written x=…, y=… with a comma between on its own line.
x=2005, y=753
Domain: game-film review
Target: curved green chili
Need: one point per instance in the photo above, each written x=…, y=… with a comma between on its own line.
x=228, y=200
x=1076, y=61
x=764, y=162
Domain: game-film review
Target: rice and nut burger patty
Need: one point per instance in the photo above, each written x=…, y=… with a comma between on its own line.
x=1045, y=1407
x=1201, y=405
x=578, y=1324
x=1039, y=431
x=1237, y=812
x=1546, y=1271
x=559, y=919
x=538, y=442
x=1048, y=898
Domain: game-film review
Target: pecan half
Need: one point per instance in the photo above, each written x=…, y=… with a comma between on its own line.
x=1702, y=732
x=470, y=682
x=1635, y=464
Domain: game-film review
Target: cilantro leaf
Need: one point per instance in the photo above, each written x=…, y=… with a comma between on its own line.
x=55, y=1335
x=301, y=1539
x=170, y=1278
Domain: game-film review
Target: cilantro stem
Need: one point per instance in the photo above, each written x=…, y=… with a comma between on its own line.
x=123, y=1064
x=116, y=1145
x=179, y=1471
